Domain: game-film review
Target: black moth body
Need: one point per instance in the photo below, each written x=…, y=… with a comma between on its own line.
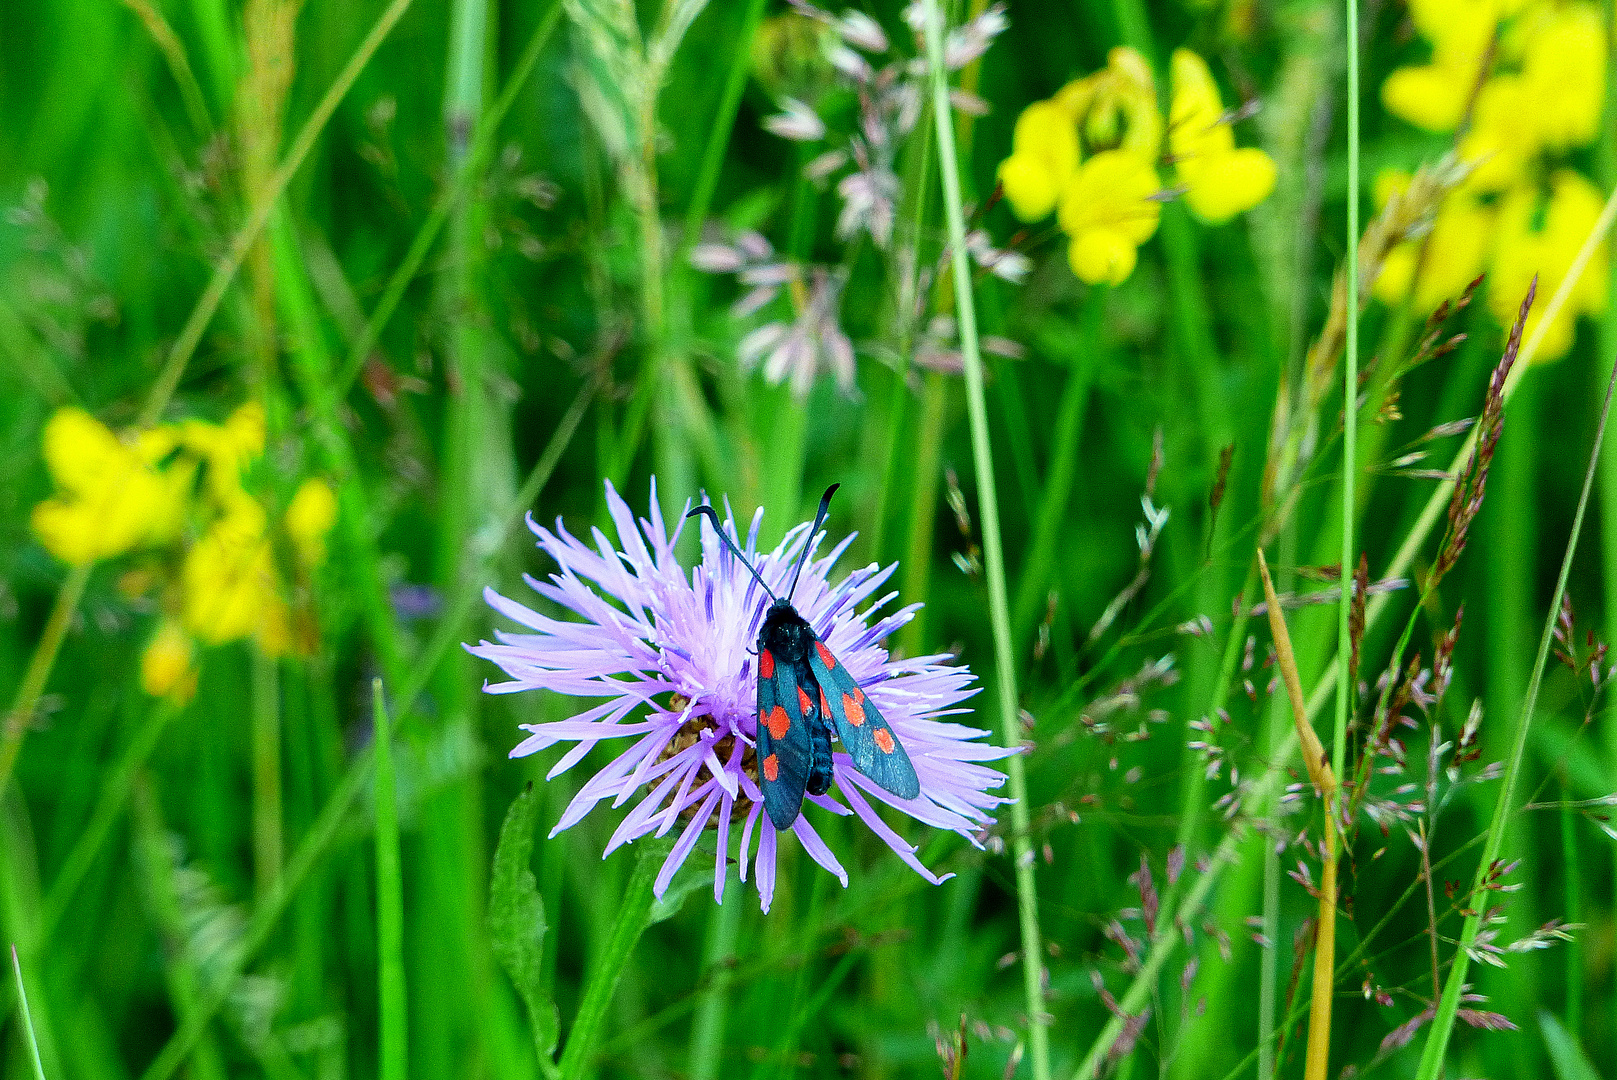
x=805, y=696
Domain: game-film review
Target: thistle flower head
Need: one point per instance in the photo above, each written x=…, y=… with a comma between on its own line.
x=669, y=654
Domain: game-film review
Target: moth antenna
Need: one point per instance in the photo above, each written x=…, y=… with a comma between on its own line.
x=819, y=519
x=712, y=515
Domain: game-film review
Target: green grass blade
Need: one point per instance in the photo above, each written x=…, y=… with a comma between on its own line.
x=993, y=551
x=1566, y=1056
x=1437, y=1039
x=27, y=1017
x=389, y=902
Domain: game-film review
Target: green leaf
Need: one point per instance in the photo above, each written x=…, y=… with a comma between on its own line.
x=1565, y=1054
x=674, y=896
x=516, y=919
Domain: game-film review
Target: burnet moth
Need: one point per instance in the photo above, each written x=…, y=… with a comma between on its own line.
x=805, y=696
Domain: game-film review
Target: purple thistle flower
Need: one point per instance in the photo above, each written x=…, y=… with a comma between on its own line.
x=670, y=653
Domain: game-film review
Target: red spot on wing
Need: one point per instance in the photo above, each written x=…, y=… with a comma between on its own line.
x=825, y=706
x=766, y=664
x=884, y=740
x=804, y=702
x=771, y=768
x=859, y=695
x=826, y=658
x=779, y=723
x=854, y=710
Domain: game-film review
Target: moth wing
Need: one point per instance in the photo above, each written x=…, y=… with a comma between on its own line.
x=865, y=733
x=785, y=755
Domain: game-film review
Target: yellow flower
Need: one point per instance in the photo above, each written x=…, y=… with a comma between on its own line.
x=232, y=590
x=110, y=496
x=1548, y=250
x=1500, y=144
x=1044, y=156
x=1109, y=211
x=1456, y=249
x=1220, y=180
x=1433, y=96
x=228, y=448
x=1116, y=107
x=1564, y=69
x=166, y=669
x=309, y=518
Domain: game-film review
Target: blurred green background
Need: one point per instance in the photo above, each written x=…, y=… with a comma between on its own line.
x=453, y=296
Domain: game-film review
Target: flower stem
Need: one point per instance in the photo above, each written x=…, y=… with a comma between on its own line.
x=389, y=902
x=1437, y=1041
x=634, y=915
x=718, y=958
x=39, y=669
x=993, y=553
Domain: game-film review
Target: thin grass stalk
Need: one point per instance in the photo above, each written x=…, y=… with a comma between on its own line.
x=1607, y=158
x=477, y=158
x=328, y=825
x=39, y=669
x=1266, y=787
x=1572, y=863
x=1350, y=401
x=993, y=552
x=928, y=464
x=185, y=345
x=389, y=901
x=27, y=1017
x=718, y=140
x=904, y=289
x=168, y=43
x=113, y=795
x=266, y=728
x=1324, y=780
x=1437, y=1039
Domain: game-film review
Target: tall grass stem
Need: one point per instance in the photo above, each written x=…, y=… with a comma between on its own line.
x=1437, y=1039
x=993, y=550
x=39, y=669
x=718, y=140
x=389, y=901
x=1350, y=398
x=266, y=726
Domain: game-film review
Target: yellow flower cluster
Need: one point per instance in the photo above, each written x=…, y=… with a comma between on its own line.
x=176, y=491
x=1517, y=214
x=1090, y=154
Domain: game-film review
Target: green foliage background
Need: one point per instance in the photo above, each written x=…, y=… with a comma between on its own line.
x=523, y=304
